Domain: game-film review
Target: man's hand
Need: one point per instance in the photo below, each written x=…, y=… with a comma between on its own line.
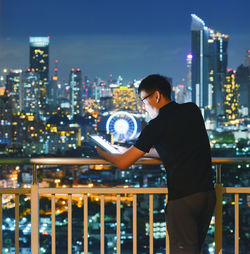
x=100, y=151
x=121, y=149
x=152, y=154
x=123, y=160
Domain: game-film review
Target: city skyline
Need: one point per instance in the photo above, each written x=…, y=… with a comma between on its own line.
x=65, y=69
x=122, y=39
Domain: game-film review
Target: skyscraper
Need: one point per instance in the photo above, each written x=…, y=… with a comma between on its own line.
x=188, y=88
x=217, y=45
x=76, y=87
x=189, y=70
x=6, y=110
x=125, y=98
x=39, y=61
x=231, y=96
x=200, y=68
x=247, y=60
x=243, y=78
x=39, y=56
x=52, y=90
x=209, y=67
x=13, y=88
x=29, y=99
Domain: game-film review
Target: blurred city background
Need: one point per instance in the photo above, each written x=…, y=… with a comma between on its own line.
x=69, y=71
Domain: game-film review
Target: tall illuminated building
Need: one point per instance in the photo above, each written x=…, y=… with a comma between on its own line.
x=88, y=87
x=29, y=99
x=62, y=137
x=76, y=88
x=189, y=70
x=53, y=87
x=28, y=134
x=209, y=67
x=188, y=88
x=6, y=111
x=247, y=60
x=39, y=61
x=218, y=44
x=39, y=56
x=231, y=96
x=200, y=68
x=13, y=88
x=243, y=78
x=125, y=98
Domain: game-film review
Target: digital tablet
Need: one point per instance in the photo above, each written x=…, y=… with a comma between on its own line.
x=104, y=144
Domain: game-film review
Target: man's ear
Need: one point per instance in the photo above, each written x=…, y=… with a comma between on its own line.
x=158, y=96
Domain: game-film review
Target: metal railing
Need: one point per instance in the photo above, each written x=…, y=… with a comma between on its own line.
x=34, y=191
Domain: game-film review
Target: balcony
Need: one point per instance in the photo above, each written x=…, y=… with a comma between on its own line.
x=35, y=192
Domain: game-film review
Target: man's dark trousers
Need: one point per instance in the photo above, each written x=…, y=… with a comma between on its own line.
x=188, y=221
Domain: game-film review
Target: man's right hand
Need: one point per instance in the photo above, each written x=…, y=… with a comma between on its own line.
x=121, y=149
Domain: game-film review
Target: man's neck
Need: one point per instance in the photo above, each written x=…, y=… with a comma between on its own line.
x=163, y=102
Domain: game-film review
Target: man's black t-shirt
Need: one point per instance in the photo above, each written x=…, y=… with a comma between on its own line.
x=179, y=135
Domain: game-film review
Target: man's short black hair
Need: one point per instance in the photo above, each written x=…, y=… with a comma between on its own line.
x=156, y=82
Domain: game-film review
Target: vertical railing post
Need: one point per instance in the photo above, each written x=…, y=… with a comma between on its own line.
x=118, y=224
x=17, y=223
x=34, y=213
x=151, y=223
x=53, y=224
x=236, y=226
x=134, y=224
x=102, y=243
x=69, y=223
x=218, y=211
x=167, y=236
x=86, y=221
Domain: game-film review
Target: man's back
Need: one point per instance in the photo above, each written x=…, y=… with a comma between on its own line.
x=178, y=133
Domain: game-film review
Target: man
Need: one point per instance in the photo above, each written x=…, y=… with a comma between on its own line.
x=177, y=135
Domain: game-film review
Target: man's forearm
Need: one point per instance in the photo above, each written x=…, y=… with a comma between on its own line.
x=123, y=160
x=113, y=158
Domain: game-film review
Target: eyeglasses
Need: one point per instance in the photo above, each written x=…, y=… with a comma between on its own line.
x=147, y=96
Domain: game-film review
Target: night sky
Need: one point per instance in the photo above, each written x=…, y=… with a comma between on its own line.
x=127, y=38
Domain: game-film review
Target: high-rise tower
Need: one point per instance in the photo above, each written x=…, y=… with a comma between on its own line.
x=243, y=79
x=52, y=90
x=189, y=70
x=76, y=87
x=231, y=96
x=188, y=88
x=39, y=56
x=13, y=88
x=39, y=62
x=200, y=59
x=247, y=60
x=209, y=67
x=29, y=98
x=217, y=68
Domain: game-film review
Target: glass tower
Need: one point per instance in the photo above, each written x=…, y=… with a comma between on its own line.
x=209, y=67
x=30, y=92
x=76, y=96
x=231, y=96
x=247, y=60
x=13, y=88
x=218, y=44
x=200, y=68
x=39, y=62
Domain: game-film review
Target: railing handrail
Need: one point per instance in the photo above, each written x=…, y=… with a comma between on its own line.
x=89, y=161
x=111, y=190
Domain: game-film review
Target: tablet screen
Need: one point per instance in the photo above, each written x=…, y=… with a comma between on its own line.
x=104, y=144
